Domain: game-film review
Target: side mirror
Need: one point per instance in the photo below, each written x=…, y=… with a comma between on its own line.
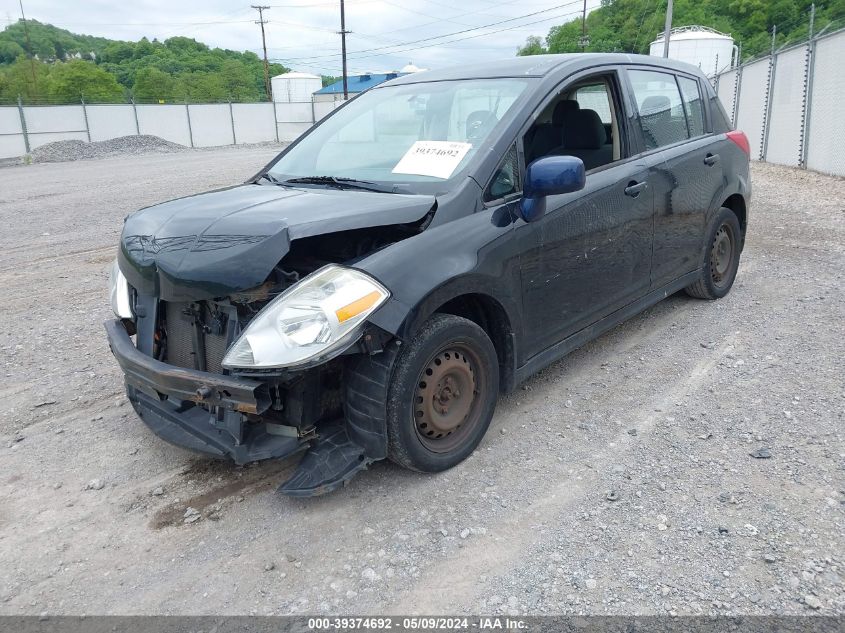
x=549, y=176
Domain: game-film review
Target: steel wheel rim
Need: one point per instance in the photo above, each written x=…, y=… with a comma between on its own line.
x=447, y=400
x=722, y=255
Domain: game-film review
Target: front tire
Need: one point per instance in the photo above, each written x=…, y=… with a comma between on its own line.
x=721, y=257
x=441, y=393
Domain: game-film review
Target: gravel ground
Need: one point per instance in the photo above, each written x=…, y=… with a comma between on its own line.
x=690, y=461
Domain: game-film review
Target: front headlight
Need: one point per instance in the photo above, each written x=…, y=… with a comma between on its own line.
x=119, y=294
x=312, y=320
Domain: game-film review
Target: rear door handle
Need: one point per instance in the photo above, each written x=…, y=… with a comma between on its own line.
x=634, y=188
x=711, y=159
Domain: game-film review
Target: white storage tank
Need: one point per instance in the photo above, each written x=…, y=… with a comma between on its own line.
x=700, y=46
x=295, y=87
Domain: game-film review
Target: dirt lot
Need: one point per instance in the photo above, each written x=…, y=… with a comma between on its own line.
x=617, y=481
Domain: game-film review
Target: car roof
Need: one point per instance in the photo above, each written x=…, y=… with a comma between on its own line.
x=537, y=66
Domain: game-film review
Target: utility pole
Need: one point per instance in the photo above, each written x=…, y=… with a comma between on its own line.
x=31, y=54
x=343, y=33
x=584, y=28
x=667, y=28
x=262, y=22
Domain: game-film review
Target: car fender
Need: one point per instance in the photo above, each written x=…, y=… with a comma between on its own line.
x=474, y=255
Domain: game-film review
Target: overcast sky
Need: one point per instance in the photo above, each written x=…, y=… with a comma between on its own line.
x=302, y=34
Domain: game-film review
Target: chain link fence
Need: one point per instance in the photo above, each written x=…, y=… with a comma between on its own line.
x=790, y=104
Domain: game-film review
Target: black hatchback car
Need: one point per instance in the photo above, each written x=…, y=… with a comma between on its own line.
x=435, y=241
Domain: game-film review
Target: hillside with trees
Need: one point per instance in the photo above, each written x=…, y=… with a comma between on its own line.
x=64, y=67
x=631, y=25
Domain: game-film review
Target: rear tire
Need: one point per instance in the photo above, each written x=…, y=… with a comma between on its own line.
x=721, y=257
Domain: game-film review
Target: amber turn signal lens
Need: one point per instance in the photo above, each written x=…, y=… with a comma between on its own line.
x=357, y=307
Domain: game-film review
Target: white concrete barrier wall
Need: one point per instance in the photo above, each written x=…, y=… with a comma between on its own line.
x=727, y=90
x=11, y=136
x=323, y=108
x=289, y=132
x=254, y=122
x=784, y=146
x=110, y=121
x=169, y=122
x=211, y=125
x=46, y=124
x=749, y=116
x=827, y=123
x=823, y=126
x=295, y=112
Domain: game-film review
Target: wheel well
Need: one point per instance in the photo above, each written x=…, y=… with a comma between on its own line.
x=736, y=203
x=488, y=314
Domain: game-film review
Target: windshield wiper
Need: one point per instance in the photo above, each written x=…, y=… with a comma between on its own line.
x=269, y=177
x=339, y=182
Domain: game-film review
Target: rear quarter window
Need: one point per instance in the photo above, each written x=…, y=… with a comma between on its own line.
x=691, y=93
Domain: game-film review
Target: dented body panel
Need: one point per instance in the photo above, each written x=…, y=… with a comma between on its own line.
x=225, y=241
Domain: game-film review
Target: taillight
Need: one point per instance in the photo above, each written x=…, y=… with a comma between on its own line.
x=738, y=137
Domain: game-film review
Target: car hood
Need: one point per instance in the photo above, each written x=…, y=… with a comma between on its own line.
x=213, y=244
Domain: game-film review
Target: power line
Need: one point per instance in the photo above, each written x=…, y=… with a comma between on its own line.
x=469, y=37
x=438, y=20
x=434, y=37
x=262, y=22
x=151, y=23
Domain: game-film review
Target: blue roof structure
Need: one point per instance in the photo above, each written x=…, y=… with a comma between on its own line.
x=358, y=83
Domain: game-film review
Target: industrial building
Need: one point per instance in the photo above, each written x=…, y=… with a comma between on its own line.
x=710, y=50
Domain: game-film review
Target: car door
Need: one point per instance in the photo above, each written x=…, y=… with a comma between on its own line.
x=591, y=252
x=684, y=165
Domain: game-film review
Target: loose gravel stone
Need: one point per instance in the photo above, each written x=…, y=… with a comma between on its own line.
x=60, y=151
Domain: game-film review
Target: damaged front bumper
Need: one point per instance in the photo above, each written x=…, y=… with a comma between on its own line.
x=220, y=416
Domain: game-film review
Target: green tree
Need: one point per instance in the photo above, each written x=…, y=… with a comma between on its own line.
x=200, y=87
x=178, y=68
x=153, y=85
x=116, y=52
x=25, y=77
x=79, y=79
x=631, y=25
x=10, y=51
x=533, y=46
x=238, y=82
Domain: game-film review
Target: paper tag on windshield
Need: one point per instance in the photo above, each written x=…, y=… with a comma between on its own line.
x=432, y=158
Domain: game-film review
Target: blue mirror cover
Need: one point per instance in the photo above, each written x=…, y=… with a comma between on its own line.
x=548, y=176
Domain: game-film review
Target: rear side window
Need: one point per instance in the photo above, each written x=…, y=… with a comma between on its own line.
x=661, y=110
x=692, y=102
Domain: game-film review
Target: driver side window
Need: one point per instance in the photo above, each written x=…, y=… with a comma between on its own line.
x=583, y=121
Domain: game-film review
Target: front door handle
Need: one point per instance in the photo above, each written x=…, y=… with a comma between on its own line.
x=634, y=188
x=711, y=159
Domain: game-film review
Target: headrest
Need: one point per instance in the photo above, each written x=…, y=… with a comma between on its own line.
x=655, y=104
x=479, y=124
x=584, y=130
x=562, y=110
